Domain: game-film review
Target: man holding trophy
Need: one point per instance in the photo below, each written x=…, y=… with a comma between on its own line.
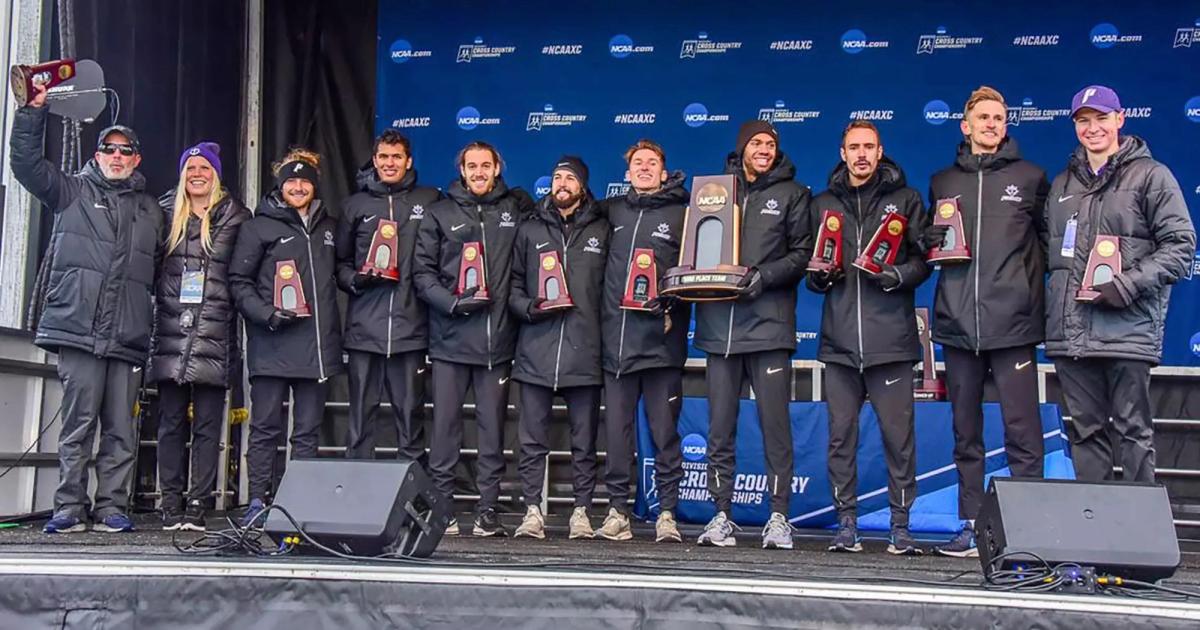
x=1119, y=237
x=387, y=330
x=758, y=212
x=869, y=337
x=984, y=226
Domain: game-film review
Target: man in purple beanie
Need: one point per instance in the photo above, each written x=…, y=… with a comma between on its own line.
x=1119, y=237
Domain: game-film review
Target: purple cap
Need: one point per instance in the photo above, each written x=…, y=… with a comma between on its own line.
x=210, y=151
x=1098, y=97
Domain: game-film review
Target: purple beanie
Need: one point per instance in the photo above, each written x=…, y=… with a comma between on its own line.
x=210, y=151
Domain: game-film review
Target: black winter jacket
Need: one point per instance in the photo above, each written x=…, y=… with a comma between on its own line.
x=105, y=242
x=564, y=350
x=310, y=348
x=775, y=240
x=1138, y=200
x=387, y=317
x=997, y=300
x=634, y=340
x=861, y=324
x=206, y=352
x=488, y=336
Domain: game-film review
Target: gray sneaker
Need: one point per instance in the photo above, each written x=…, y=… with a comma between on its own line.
x=847, y=536
x=451, y=528
x=718, y=532
x=903, y=544
x=581, y=525
x=665, y=529
x=533, y=525
x=616, y=526
x=963, y=545
x=777, y=534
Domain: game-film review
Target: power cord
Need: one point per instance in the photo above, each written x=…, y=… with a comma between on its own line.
x=37, y=440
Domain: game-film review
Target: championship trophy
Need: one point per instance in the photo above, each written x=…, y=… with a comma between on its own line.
x=827, y=253
x=927, y=386
x=641, y=283
x=884, y=245
x=471, y=271
x=289, y=293
x=552, y=285
x=1103, y=264
x=381, y=257
x=954, y=247
x=708, y=257
x=75, y=89
x=24, y=79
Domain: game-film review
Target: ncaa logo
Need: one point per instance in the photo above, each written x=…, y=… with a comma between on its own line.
x=937, y=112
x=1192, y=109
x=401, y=51
x=1104, y=35
x=695, y=447
x=468, y=118
x=1194, y=344
x=695, y=115
x=854, y=41
x=620, y=46
x=541, y=187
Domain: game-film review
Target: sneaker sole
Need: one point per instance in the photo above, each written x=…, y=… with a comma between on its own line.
x=171, y=528
x=857, y=548
x=534, y=535
x=485, y=533
x=101, y=527
x=189, y=527
x=910, y=551
x=581, y=536
x=728, y=542
x=671, y=538
x=623, y=535
x=970, y=553
x=772, y=545
x=74, y=529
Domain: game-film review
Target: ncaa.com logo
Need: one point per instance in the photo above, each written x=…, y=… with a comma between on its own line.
x=855, y=41
x=401, y=51
x=469, y=118
x=1106, y=35
x=622, y=46
x=697, y=115
x=937, y=112
x=1192, y=109
x=694, y=447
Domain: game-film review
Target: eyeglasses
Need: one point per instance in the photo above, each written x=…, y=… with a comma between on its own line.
x=109, y=148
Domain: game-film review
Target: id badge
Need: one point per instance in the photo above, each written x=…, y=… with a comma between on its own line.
x=1068, y=244
x=191, y=290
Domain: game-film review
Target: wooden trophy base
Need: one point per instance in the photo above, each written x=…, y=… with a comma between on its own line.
x=704, y=285
x=929, y=389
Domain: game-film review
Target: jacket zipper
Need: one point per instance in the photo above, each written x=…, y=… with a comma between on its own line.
x=562, y=320
x=187, y=351
x=392, y=293
x=625, y=312
x=976, y=264
x=858, y=282
x=316, y=302
x=483, y=229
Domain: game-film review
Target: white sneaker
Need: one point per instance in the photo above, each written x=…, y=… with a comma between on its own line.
x=665, y=529
x=616, y=526
x=533, y=525
x=451, y=528
x=581, y=525
x=718, y=532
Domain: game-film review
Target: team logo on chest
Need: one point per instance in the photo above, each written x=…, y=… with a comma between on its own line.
x=418, y=212
x=663, y=232
x=771, y=207
x=1012, y=193
x=329, y=238
x=891, y=207
x=506, y=220
x=593, y=246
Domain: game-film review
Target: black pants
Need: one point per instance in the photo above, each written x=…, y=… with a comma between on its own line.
x=583, y=413
x=268, y=425
x=890, y=387
x=208, y=421
x=661, y=390
x=1015, y=372
x=97, y=393
x=450, y=384
x=770, y=375
x=401, y=376
x=1095, y=390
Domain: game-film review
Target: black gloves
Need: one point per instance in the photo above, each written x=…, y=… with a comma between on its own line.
x=934, y=236
x=364, y=281
x=751, y=285
x=888, y=278
x=822, y=281
x=467, y=303
x=281, y=318
x=537, y=314
x=1110, y=296
x=661, y=305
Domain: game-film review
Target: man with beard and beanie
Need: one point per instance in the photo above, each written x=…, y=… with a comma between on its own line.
x=289, y=242
x=644, y=350
x=1103, y=349
x=989, y=313
x=755, y=335
x=387, y=329
x=106, y=244
x=869, y=340
x=471, y=339
x=558, y=348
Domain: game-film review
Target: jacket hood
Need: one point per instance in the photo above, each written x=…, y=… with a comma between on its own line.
x=1007, y=153
x=782, y=171
x=367, y=180
x=1132, y=148
x=459, y=193
x=888, y=175
x=672, y=192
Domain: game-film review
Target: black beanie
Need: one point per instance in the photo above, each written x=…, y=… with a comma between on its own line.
x=574, y=164
x=296, y=169
x=752, y=128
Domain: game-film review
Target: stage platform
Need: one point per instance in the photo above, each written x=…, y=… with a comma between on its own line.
x=139, y=580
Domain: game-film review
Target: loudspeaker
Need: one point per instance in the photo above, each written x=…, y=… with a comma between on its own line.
x=1124, y=529
x=361, y=507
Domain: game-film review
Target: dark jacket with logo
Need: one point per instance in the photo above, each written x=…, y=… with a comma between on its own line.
x=775, y=240
x=310, y=348
x=634, y=340
x=487, y=336
x=387, y=317
x=1136, y=199
x=861, y=324
x=997, y=300
x=106, y=238
x=564, y=350
x=205, y=352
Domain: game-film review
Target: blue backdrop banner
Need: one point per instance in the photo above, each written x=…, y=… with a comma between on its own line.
x=936, y=506
x=540, y=79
